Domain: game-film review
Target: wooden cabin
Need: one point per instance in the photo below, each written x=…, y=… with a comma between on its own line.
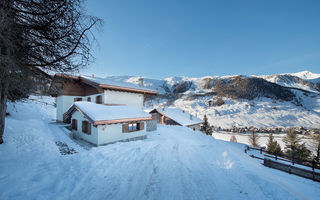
x=177, y=117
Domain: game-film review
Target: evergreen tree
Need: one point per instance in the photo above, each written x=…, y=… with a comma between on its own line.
x=315, y=145
x=273, y=147
x=294, y=148
x=206, y=128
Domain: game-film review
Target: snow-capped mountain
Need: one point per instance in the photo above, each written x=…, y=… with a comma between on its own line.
x=282, y=100
x=304, y=80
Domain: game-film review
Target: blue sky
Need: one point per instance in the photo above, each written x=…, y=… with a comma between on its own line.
x=163, y=38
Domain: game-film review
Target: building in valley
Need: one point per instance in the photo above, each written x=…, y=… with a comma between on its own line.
x=176, y=116
x=102, y=111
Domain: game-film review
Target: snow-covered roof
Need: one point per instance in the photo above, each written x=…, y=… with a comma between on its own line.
x=180, y=116
x=111, y=82
x=100, y=112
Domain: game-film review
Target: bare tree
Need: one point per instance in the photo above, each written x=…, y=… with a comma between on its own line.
x=254, y=139
x=40, y=35
x=233, y=139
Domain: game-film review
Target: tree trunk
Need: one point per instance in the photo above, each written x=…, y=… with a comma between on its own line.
x=3, y=107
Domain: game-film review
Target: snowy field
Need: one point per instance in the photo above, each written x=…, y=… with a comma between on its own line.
x=263, y=138
x=259, y=113
x=173, y=163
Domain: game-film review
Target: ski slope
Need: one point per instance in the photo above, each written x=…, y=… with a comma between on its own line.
x=172, y=163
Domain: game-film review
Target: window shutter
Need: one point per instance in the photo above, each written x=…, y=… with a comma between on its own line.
x=85, y=126
x=99, y=99
x=74, y=124
x=89, y=128
x=141, y=125
x=125, y=128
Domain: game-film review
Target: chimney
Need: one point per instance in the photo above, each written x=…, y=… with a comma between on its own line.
x=191, y=117
x=140, y=82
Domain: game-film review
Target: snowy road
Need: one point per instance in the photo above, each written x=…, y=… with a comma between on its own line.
x=173, y=163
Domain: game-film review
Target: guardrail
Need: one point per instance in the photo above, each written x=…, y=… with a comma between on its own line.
x=308, y=163
x=289, y=167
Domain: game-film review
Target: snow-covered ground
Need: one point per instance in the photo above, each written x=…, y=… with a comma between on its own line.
x=262, y=139
x=173, y=163
x=258, y=113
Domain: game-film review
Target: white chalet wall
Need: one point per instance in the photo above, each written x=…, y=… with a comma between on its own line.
x=93, y=138
x=112, y=133
x=104, y=134
x=127, y=98
x=65, y=102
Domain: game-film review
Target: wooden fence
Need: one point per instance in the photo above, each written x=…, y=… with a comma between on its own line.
x=289, y=166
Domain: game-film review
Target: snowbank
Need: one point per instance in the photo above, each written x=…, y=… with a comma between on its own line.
x=173, y=163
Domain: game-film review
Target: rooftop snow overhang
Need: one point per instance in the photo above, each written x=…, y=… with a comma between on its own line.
x=177, y=121
x=74, y=108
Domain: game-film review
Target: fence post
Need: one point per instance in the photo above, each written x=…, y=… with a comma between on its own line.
x=292, y=160
x=289, y=169
x=313, y=166
x=261, y=150
x=276, y=157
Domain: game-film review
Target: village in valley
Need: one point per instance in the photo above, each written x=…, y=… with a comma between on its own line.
x=149, y=118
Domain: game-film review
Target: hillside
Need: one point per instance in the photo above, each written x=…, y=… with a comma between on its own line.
x=284, y=100
x=173, y=163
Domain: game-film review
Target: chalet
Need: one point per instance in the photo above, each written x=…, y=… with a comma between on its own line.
x=102, y=111
x=175, y=116
x=68, y=89
x=103, y=124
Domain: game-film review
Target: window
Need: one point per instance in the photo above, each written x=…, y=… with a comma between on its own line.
x=77, y=99
x=86, y=127
x=126, y=128
x=133, y=127
x=99, y=99
x=74, y=124
x=89, y=99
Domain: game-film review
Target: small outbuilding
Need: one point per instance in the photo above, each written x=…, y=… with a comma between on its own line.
x=176, y=116
x=103, y=124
